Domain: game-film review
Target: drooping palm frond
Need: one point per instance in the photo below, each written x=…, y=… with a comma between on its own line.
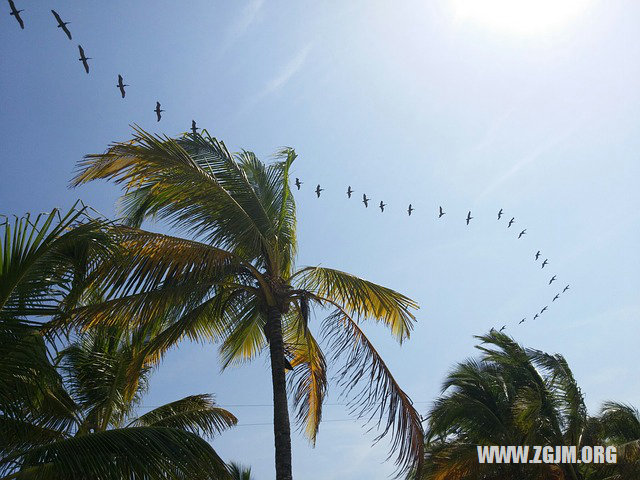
x=361, y=298
x=378, y=396
x=239, y=472
x=196, y=413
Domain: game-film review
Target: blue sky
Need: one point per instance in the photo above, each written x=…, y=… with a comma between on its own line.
x=405, y=101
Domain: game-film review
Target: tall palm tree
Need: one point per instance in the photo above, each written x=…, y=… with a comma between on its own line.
x=234, y=281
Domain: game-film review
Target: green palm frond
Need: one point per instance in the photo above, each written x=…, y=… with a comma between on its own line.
x=239, y=472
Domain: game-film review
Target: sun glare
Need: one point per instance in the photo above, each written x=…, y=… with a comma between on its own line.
x=519, y=16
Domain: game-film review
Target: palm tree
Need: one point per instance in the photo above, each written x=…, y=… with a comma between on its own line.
x=234, y=281
x=240, y=472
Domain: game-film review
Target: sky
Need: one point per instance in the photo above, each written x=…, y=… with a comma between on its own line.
x=529, y=107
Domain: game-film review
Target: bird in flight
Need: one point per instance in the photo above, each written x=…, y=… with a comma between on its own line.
x=298, y=183
x=544, y=309
x=500, y=214
x=382, y=205
x=158, y=111
x=556, y=297
x=84, y=59
x=61, y=24
x=365, y=200
x=535, y=316
x=546, y=262
x=16, y=13
x=194, y=128
x=410, y=209
x=121, y=86
x=511, y=222
x=469, y=217
x=553, y=279
x=537, y=255
x=502, y=328
x=565, y=289
x=349, y=191
x=523, y=232
x=521, y=321
x=441, y=212
x=318, y=190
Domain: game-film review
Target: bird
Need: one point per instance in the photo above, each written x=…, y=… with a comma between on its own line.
x=194, y=127
x=565, y=289
x=158, y=111
x=523, y=232
x=61, y=24
x=298, y=183
x=318, y=190
x=410, y=209
x=511, y=222
x=365, y=200
x=121, y=86
x=382, y=205
x=469, y=217
x=84, y=59
x=544, y=309
x=441, y=212
x=500, y=214
x=502, y=328
x=521, y=321
x=535, y=316
x=16, y=13
x=553, y=279
x=349, y=191
x=537, y=255
x=546, y=262
x=556, y=297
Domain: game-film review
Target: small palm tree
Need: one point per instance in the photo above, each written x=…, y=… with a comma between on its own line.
x=240, y=472
x=234, y=281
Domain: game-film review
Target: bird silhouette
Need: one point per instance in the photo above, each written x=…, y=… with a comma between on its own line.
x=298, y=183
x=61, y=24
x=382, y=205
x=537, y=255
x=469, y=217
x=535, y=316
x=556, y=297
x=546, y=262
x=544, y=309
x=84, y=59
x=158, y=111
x=16, y=13
x=500, y=214
x=121, y=86
x=365, y=200
x=553, y=279
x=349, y=191
x=318, y=190
x=194, y=128
x=410, y=209
x=441, y=212
x=511, y=222
x=521, y=321
x=502, y=328
x=523, y=232
x=565, y=289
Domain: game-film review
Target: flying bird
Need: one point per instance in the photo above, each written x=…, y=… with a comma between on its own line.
x=502, y=328
x=365, y=200
x=553, y=279
x=544, y=309
x=61, y=24
x=349, y=191
x=16, y=13
x=546, y=262
x=556, y=297
x=382, y=205
x=158, y=111
x=84, y=59
x=298, y=183
x=410, y=209
x=194, y=128
x=469, y=217
x=537, y=255
x=535, y=316
x=523, y=232
x=500, y=214
x=565, y=289
x=511, y=222
x=121, y=86
x=521, y=321
x=441, y=212
x=318, y=190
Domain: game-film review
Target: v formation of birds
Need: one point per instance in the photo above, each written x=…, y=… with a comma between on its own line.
x=61, y=24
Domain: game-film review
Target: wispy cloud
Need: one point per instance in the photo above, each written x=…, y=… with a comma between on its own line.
x=287, y=71
x=248, y=15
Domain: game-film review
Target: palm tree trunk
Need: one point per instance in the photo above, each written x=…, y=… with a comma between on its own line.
x=281, y=428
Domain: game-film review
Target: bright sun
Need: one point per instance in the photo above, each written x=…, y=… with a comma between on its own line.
x=519, y=16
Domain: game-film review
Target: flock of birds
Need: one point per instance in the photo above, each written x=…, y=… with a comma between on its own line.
x=365, y=200
x=14, y=12
x=440, y=213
